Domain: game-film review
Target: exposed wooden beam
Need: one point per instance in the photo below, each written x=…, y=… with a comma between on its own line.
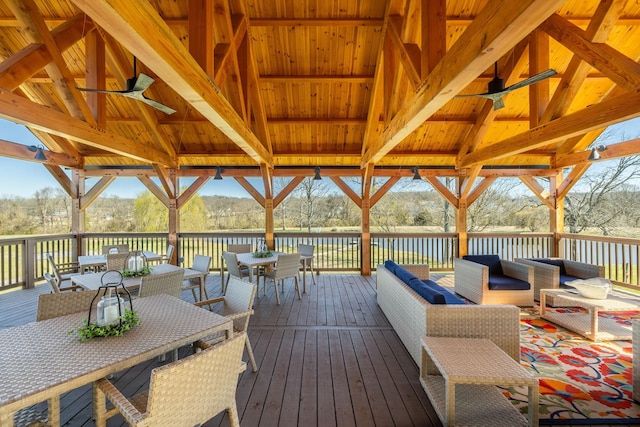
x=615, y=110
x=18, y=68
x=384, y=189
x=348, y=191
x=138, y=26
x=62, y=178
x=571, y=180
x=443, y=190
x=599, y=28
x=155, y=190
x=311, y=22
x=291, y=79
x=479, y=189
x=22, y=152
x=251, y=190
x=23, y=111
x=487, y=38
x=287, y=190
x=541, y=192
x=409, y=54
x=191, y=191
x=92, y=194
x=167, y=178
x=624, y=71
x=613, y=151
x=267, y=181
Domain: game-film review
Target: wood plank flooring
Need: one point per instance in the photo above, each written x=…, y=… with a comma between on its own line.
x=329, y=359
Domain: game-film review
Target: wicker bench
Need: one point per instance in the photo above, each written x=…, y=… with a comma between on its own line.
x=412, y=317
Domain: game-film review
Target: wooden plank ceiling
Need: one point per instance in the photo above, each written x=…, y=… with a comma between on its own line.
x=279, y=87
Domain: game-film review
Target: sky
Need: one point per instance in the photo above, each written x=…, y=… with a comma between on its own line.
x=23, y=179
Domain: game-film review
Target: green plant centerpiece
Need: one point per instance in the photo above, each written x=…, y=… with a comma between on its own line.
x=87, y=330
x=142, y=272
x=263, y=254
x=112, y=318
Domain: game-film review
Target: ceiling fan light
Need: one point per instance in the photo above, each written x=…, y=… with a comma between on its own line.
x=416, y=174
x=39, y=150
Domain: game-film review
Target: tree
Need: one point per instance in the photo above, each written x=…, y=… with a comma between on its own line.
x=606, y=199
x=310, y=191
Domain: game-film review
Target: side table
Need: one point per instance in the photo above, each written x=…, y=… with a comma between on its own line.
x=466, y=370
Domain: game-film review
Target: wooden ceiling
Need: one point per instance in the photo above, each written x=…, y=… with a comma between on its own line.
x=357, y=87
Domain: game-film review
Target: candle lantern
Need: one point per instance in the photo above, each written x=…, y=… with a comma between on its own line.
x=111, y=305
x=135, y=262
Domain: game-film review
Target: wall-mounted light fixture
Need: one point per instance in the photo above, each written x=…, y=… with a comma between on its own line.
x=39, y=150
x=317, y=176
x=595, y=152
x=416, y=174
x=218, y=173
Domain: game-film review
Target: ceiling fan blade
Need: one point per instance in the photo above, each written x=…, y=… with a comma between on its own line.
x=142, y=83
x=531, y=80
x=139, y=97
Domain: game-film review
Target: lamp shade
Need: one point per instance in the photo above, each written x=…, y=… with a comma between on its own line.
x=416, y=174
x=218, y=173
x=317, y=175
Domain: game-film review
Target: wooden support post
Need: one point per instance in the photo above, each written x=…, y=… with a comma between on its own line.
x=556, y=215
x=461, y=228
x=174, y=220
x=269, y=223
x=77, y=214
x=365, y=261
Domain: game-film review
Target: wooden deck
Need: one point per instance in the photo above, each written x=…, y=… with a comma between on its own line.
x=330, y=359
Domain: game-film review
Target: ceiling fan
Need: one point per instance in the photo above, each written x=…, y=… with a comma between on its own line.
x=135, y=88
x=496, y=89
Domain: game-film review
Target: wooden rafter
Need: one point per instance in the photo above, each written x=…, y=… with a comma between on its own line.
x=542, y=193
x=606, y=113
x=92, y=194
x=443, y=190
x=28, y=14
x=287, y=190
x=487, y=38
x=58, y=174
x=191, y=190
x=479, y=189
x=155, y=190
x=167, y=178
x=598, y=30
x=151, y=40
x=251, y=190
x=622, y=70
x=348, y=191
x=384, y=189
x=22, y=152
x=20, y=110
x=571, y=180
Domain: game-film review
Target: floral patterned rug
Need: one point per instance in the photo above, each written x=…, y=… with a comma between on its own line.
x=581, y=381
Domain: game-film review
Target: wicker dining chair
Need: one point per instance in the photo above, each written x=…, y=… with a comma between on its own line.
x=183, y=393
x=117, y=261
x=164, y=283
x=287, y=265
x=56, y=288
x=61, y=304
x=63, y=271
x=239, y=248
x=233, y=268
x=200, y=263
x=237, y=305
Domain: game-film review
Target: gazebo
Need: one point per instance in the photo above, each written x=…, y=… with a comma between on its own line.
x=357, y=89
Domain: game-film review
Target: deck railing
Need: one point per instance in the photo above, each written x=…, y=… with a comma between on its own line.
x=618, y=255
x=511, y=245
x=23, y=260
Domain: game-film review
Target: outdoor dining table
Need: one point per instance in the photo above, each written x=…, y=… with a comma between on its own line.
x=98, y=262
x=249, y=260
x=94, y=281
x=41, y=360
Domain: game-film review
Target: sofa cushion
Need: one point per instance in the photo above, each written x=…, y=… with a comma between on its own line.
x=491, y=261
x=501, y=282
x=427, y=292
x=556, y=262
x=449, y=297
x=391, y=266
x=405, y=275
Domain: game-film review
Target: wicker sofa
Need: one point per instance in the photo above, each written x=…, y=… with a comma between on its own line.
x=412, y=317
x=487, y=279
x=553, y=273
